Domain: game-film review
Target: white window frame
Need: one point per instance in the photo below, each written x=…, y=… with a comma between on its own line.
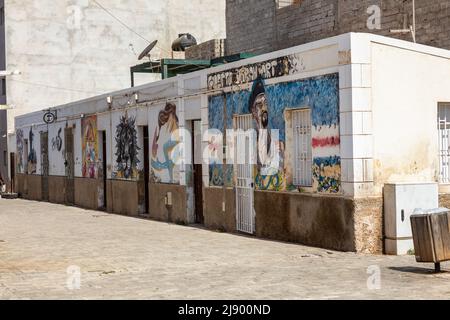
x=444, y=142
x=302, y=153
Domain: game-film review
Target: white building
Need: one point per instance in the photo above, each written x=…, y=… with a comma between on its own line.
x=353, y=112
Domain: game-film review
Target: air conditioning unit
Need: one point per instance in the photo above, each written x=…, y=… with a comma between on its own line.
x=400, y=202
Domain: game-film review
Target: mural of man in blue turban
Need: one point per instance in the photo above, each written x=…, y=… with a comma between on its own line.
x=268, y=160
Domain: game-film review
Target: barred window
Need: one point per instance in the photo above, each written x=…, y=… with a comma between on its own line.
x=444, y=142
x=301, y=125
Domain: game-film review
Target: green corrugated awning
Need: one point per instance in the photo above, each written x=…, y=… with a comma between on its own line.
x=171, y=67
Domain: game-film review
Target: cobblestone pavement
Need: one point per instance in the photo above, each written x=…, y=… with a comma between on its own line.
x=121, y=257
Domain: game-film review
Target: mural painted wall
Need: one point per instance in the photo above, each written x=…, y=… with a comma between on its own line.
x=56, y=149
x=20, y=151
x=89, y=147
x=32, y=157
x=126, y=149
x=267, y=105
x=165, y=140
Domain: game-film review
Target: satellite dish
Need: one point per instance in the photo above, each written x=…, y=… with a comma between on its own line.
x=147, y=50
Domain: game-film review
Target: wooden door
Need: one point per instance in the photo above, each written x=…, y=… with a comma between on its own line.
x=198, y=175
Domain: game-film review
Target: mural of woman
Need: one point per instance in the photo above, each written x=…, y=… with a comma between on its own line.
x=165, y=136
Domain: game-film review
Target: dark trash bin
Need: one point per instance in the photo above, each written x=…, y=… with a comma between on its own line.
x=431, y=234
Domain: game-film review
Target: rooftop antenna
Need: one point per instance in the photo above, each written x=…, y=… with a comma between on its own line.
x=146, y=52
x=412, y=28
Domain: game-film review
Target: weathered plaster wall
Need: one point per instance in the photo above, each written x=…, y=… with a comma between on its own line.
x=164, y=137
x=290, y=80
x=29, y=187
x=56, y=186
x=215, y=218
x=3, y=145
x=86, y=193
x=320, y=95
x=177, y=212
x=3, y=116
x=407, y=88
x=123, y=197
x=318, y=221
x=78, y=50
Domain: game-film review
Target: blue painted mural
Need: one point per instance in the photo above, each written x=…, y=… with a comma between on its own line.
x=267, y=105
x=326, y=174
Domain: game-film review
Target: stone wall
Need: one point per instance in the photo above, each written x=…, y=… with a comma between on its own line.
x=257, y=26
x=207, y=50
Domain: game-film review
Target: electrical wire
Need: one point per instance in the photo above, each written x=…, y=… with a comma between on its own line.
x=125, y=25
x=57, y=88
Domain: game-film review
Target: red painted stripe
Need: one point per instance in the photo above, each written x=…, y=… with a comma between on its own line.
x=326, y=142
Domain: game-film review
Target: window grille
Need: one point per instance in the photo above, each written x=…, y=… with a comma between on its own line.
x=444, y=142
x=301, y=125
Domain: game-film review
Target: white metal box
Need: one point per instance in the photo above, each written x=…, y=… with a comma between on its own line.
x=400, y=201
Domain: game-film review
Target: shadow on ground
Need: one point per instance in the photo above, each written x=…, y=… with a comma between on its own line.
x=418, y=270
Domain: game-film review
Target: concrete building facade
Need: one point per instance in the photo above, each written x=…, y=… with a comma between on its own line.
x=73, y=49
x=260, y=26
x=3, y=123
x=324, y=127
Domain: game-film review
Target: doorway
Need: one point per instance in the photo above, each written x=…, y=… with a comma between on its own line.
x=70, y=166
x=146, y=169
x=44, y=166
x=12, y=171
x=25, y=156
x=244, y=155
x=104, y=170
x=197, y=170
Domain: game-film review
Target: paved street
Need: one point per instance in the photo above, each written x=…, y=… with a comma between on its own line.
x=120, y=257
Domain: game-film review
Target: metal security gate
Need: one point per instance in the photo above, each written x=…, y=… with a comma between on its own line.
x=444, y=142
x=244, y=159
